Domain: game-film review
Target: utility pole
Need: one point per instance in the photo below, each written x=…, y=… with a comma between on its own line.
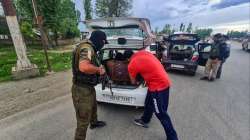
x=45, y=42
x=24, y=68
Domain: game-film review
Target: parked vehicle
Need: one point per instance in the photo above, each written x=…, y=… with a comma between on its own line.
x=246, y=44
x=184, y=53
x=124, y=35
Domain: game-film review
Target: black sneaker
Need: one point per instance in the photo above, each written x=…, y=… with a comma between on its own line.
x=139, y=122
x=204, y=78
x=97, y=124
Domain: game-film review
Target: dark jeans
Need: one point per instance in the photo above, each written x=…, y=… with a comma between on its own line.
x=157, y=102
x=219, y=70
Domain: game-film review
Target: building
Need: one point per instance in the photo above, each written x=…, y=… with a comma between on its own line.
x=4, y=31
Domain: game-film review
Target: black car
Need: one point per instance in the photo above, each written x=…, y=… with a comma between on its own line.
x=183, y=53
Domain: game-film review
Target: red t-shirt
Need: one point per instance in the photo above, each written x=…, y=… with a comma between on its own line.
x=151, y=69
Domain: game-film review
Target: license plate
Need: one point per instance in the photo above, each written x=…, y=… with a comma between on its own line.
x=177, y=66
x=116, y=98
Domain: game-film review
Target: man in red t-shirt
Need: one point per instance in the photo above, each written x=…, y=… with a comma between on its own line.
x=146, y=65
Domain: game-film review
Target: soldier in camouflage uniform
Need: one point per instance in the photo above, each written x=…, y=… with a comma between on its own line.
x=86, y=73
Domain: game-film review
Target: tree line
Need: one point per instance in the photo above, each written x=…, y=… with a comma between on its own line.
x=59, y=18
x=202, y=32
x=237, y=34
x=108, y=8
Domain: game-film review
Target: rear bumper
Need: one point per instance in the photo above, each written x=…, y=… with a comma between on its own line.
x=130, y=97
x=187, y=65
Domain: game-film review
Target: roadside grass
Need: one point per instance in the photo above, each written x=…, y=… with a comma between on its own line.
x=59, y=61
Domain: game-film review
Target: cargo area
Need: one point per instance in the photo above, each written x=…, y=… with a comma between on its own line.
x=116, y=65
x=181, y=52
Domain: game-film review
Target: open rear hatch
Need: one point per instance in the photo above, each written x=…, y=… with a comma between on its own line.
x=182, y=46
x=116, y=65
x=181, y=52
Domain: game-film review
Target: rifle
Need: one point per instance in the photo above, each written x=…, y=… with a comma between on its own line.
x=104, y=79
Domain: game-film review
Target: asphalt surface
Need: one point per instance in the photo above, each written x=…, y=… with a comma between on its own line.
x=200, y=110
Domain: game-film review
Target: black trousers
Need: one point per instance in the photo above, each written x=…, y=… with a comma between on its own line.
x=157, y=102
x=218, y=75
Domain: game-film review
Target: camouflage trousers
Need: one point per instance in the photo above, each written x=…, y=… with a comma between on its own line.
x=84, y=100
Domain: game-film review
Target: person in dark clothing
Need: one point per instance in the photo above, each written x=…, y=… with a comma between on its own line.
x=216, y=57
x=225, y=56
x=86, y=72
x=158, y=83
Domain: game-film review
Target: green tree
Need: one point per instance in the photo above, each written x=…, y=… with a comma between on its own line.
x=156, y=30
x=190, y=28
x=26, y=29
x=181, y=27
x=203, y=33
x=184, y=27
x=88, y=9
x=113, y=8
x=69, y=20
x=172, y=31
x=59, y=16
x=237, y=34
x=167, y=29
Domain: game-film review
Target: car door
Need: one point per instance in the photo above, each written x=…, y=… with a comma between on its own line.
x=204, y=51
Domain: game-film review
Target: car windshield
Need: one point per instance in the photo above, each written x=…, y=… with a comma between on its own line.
x=136, y=32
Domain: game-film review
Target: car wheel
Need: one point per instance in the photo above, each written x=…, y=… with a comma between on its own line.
x=167, y=67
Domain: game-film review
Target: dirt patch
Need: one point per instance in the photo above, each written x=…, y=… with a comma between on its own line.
x=21, y=95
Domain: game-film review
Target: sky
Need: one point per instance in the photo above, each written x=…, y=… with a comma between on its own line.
x=221, y=15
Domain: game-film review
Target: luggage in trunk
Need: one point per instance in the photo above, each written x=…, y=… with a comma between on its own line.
x=180, y=54
x=118, y=71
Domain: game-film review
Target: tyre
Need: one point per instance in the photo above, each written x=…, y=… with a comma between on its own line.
x=167, y=67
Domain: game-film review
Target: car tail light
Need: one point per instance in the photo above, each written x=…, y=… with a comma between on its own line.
x=195, y=58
